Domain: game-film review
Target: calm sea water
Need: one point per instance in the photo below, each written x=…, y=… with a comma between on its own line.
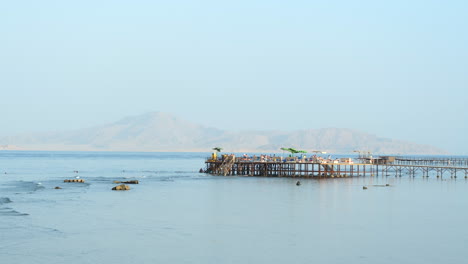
x=177, y=215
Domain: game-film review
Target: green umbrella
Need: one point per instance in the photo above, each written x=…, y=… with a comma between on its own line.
x=293, y=151
x=218, y=149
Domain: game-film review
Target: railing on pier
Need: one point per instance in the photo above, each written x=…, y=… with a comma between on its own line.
x=436, y=161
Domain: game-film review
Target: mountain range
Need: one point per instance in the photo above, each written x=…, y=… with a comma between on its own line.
x=159, y=131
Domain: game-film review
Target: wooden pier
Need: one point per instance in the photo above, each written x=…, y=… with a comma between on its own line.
x=308, y=168
x=435, y=161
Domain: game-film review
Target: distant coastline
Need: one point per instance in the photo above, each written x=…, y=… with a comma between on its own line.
x=10, y=147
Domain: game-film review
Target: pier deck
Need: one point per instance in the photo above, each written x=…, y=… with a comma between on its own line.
x=277, y=167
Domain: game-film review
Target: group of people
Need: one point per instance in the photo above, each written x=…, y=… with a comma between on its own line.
x=261, y=158
x=291, y=158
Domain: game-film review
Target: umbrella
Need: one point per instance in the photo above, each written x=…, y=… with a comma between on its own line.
x=218, y=149
x=293, y=150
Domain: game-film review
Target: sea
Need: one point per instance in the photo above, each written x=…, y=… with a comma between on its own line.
x=178, y=215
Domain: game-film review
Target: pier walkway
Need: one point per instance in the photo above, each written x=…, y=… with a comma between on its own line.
x=436, y=161
x=321, y=168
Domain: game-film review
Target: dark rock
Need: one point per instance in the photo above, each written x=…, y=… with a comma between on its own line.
x=74, y=180
x=128, y=182
x=121, y=187
x=131, y=182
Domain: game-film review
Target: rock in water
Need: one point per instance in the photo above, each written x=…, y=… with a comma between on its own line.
x=74, y=180
x=131, y=182
x=121, y=187
x=128, y=182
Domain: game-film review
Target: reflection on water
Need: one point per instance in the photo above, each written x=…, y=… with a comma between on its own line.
x=176, y=215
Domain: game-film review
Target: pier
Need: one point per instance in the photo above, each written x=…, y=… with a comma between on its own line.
x=266, y=166
x=436, y=161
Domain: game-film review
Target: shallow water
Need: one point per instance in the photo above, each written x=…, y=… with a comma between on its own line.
x=176, y=215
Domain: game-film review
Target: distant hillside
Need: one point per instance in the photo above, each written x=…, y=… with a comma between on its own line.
x=165, y=132
x=9, y=147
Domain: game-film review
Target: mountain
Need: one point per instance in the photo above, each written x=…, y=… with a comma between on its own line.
x=165, y=132
x=9, y=147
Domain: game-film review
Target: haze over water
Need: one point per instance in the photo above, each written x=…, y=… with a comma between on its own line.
x=177, y=215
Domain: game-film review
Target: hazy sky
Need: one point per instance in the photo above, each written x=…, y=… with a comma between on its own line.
x=396, y=69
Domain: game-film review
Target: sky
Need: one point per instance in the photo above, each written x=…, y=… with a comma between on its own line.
x=396, y=69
